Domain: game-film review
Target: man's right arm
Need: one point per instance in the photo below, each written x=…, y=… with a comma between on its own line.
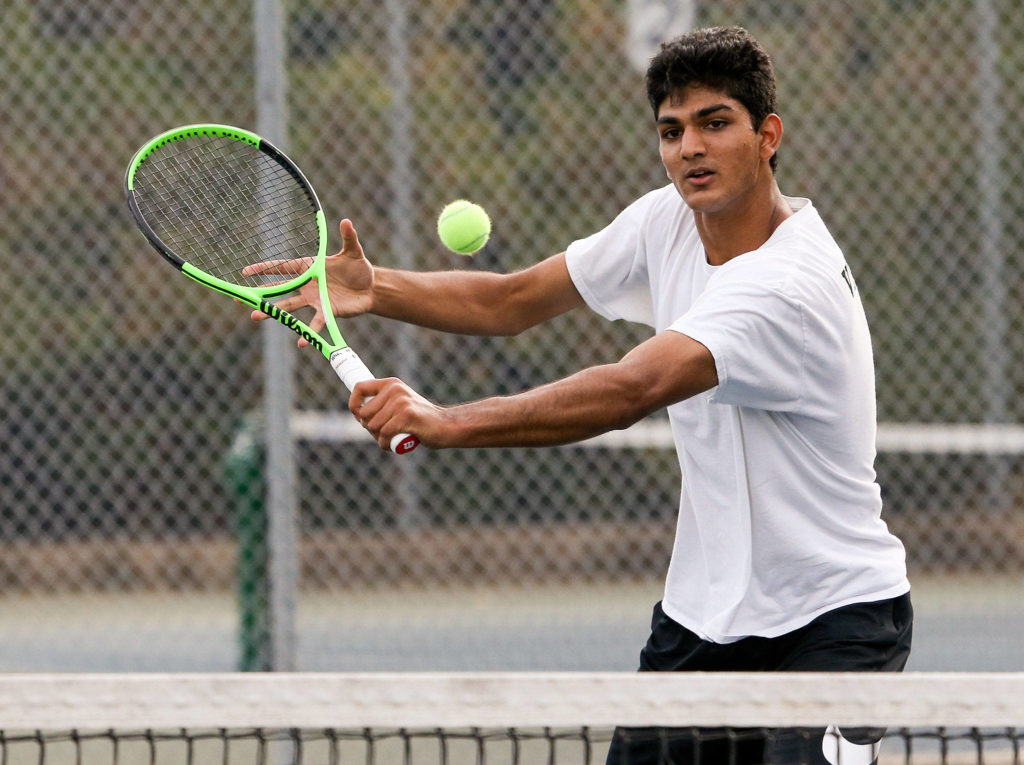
x=476, y=302
x=462, y=302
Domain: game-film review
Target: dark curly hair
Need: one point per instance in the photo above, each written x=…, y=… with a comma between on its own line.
x=728, y=59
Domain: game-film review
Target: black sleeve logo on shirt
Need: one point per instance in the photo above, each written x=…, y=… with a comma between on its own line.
x=848, y=278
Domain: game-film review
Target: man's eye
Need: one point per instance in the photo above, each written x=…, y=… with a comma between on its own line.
x=670, y=134
x=716, y=124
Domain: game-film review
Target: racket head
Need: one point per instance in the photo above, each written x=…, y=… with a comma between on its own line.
x=213, y=199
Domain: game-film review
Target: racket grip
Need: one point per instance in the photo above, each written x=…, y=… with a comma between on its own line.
x=352, y=370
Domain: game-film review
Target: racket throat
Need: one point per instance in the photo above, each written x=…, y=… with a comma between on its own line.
x=292, y=323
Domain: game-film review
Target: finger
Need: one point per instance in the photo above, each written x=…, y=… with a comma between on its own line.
x=361, y=397
x=258, y=315
x=350, y=246
x=398, y=440
x=254, y=314
x=275, y=283
x=315, y=324
x=292, y=266
x=383, y=426
x=381, y=414
x=289, y=266
x=292, y=303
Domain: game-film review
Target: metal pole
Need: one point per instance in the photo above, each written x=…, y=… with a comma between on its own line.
x=278, y=360
x=402, y=222
x=995, y=326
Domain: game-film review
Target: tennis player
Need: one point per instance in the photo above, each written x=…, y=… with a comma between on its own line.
x=761, y=353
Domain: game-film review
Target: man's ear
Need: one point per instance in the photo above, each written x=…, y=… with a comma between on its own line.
x=771, y=135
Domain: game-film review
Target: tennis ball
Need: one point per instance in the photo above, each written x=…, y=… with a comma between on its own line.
x=464, y=227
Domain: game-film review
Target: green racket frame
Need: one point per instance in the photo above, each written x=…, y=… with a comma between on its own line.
x=344, y=360
x=256, y=297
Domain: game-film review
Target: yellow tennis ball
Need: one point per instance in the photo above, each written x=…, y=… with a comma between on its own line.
x=464, y=227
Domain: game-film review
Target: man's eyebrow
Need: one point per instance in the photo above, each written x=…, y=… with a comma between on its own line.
x=700, y=114
x=709, y=110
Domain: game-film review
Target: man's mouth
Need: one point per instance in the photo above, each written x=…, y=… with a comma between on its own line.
x=699, y=175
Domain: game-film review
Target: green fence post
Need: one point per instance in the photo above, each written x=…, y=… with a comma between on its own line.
x=244, y=476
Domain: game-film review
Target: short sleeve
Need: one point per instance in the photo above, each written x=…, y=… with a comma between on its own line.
x=609, y=268
x=756, y=334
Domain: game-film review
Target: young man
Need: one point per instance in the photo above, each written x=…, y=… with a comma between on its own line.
x=762, y=355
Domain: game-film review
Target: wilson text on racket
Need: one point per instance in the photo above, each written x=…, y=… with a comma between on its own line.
x=291, y=322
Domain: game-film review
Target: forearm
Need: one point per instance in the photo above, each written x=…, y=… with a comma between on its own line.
x=476, y=302
x=662, y=371
x=575, y=408
x=669, y=367
x=460, y=302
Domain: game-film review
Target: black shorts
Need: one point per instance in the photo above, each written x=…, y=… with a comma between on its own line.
x=862, y=637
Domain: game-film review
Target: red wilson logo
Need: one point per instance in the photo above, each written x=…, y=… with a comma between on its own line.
x=406, y=445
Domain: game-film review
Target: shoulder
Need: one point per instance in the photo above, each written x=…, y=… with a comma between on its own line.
x=646, y=223
x=800, y=254
x=804, y=231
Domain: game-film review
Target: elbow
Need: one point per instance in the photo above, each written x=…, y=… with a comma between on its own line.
x=509, y=323
x=516, y=324
x=642, y=386
x=662, y=371
x=506, y=325
x=530, y=297
x=636, y=398
x=515, y=313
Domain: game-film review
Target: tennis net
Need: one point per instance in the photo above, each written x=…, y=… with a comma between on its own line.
x=506, y=718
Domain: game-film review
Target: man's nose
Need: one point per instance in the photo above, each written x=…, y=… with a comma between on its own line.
x=691, y=145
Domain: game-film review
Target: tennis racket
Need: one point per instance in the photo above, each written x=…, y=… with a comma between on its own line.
x=213, y=199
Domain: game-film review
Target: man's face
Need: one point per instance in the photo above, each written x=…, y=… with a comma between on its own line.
x=709, y=148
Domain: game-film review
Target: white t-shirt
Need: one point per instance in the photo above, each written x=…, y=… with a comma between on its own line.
x=779, y=517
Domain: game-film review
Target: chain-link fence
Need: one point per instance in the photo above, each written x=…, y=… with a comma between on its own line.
x=131, y=459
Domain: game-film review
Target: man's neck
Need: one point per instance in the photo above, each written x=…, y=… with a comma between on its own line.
x=729, y=233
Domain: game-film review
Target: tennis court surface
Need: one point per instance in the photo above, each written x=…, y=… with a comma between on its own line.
x=962, y=624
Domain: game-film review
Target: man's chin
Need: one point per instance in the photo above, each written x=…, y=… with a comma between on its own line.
x=699, y=201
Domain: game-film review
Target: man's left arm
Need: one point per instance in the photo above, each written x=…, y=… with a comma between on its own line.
x=667, y=368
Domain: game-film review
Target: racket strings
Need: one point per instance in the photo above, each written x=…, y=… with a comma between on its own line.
x=222, y=204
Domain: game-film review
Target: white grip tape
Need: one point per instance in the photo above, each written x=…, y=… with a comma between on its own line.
x=352, y=371
x=350, y=368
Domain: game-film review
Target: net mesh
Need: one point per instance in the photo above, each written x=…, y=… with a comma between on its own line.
x=502, y=718
x=505, y=746
x=221, y=204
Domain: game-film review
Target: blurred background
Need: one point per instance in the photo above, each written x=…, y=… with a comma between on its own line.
x=144, y=523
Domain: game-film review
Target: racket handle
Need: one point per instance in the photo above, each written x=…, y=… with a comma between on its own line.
x=352, y=370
